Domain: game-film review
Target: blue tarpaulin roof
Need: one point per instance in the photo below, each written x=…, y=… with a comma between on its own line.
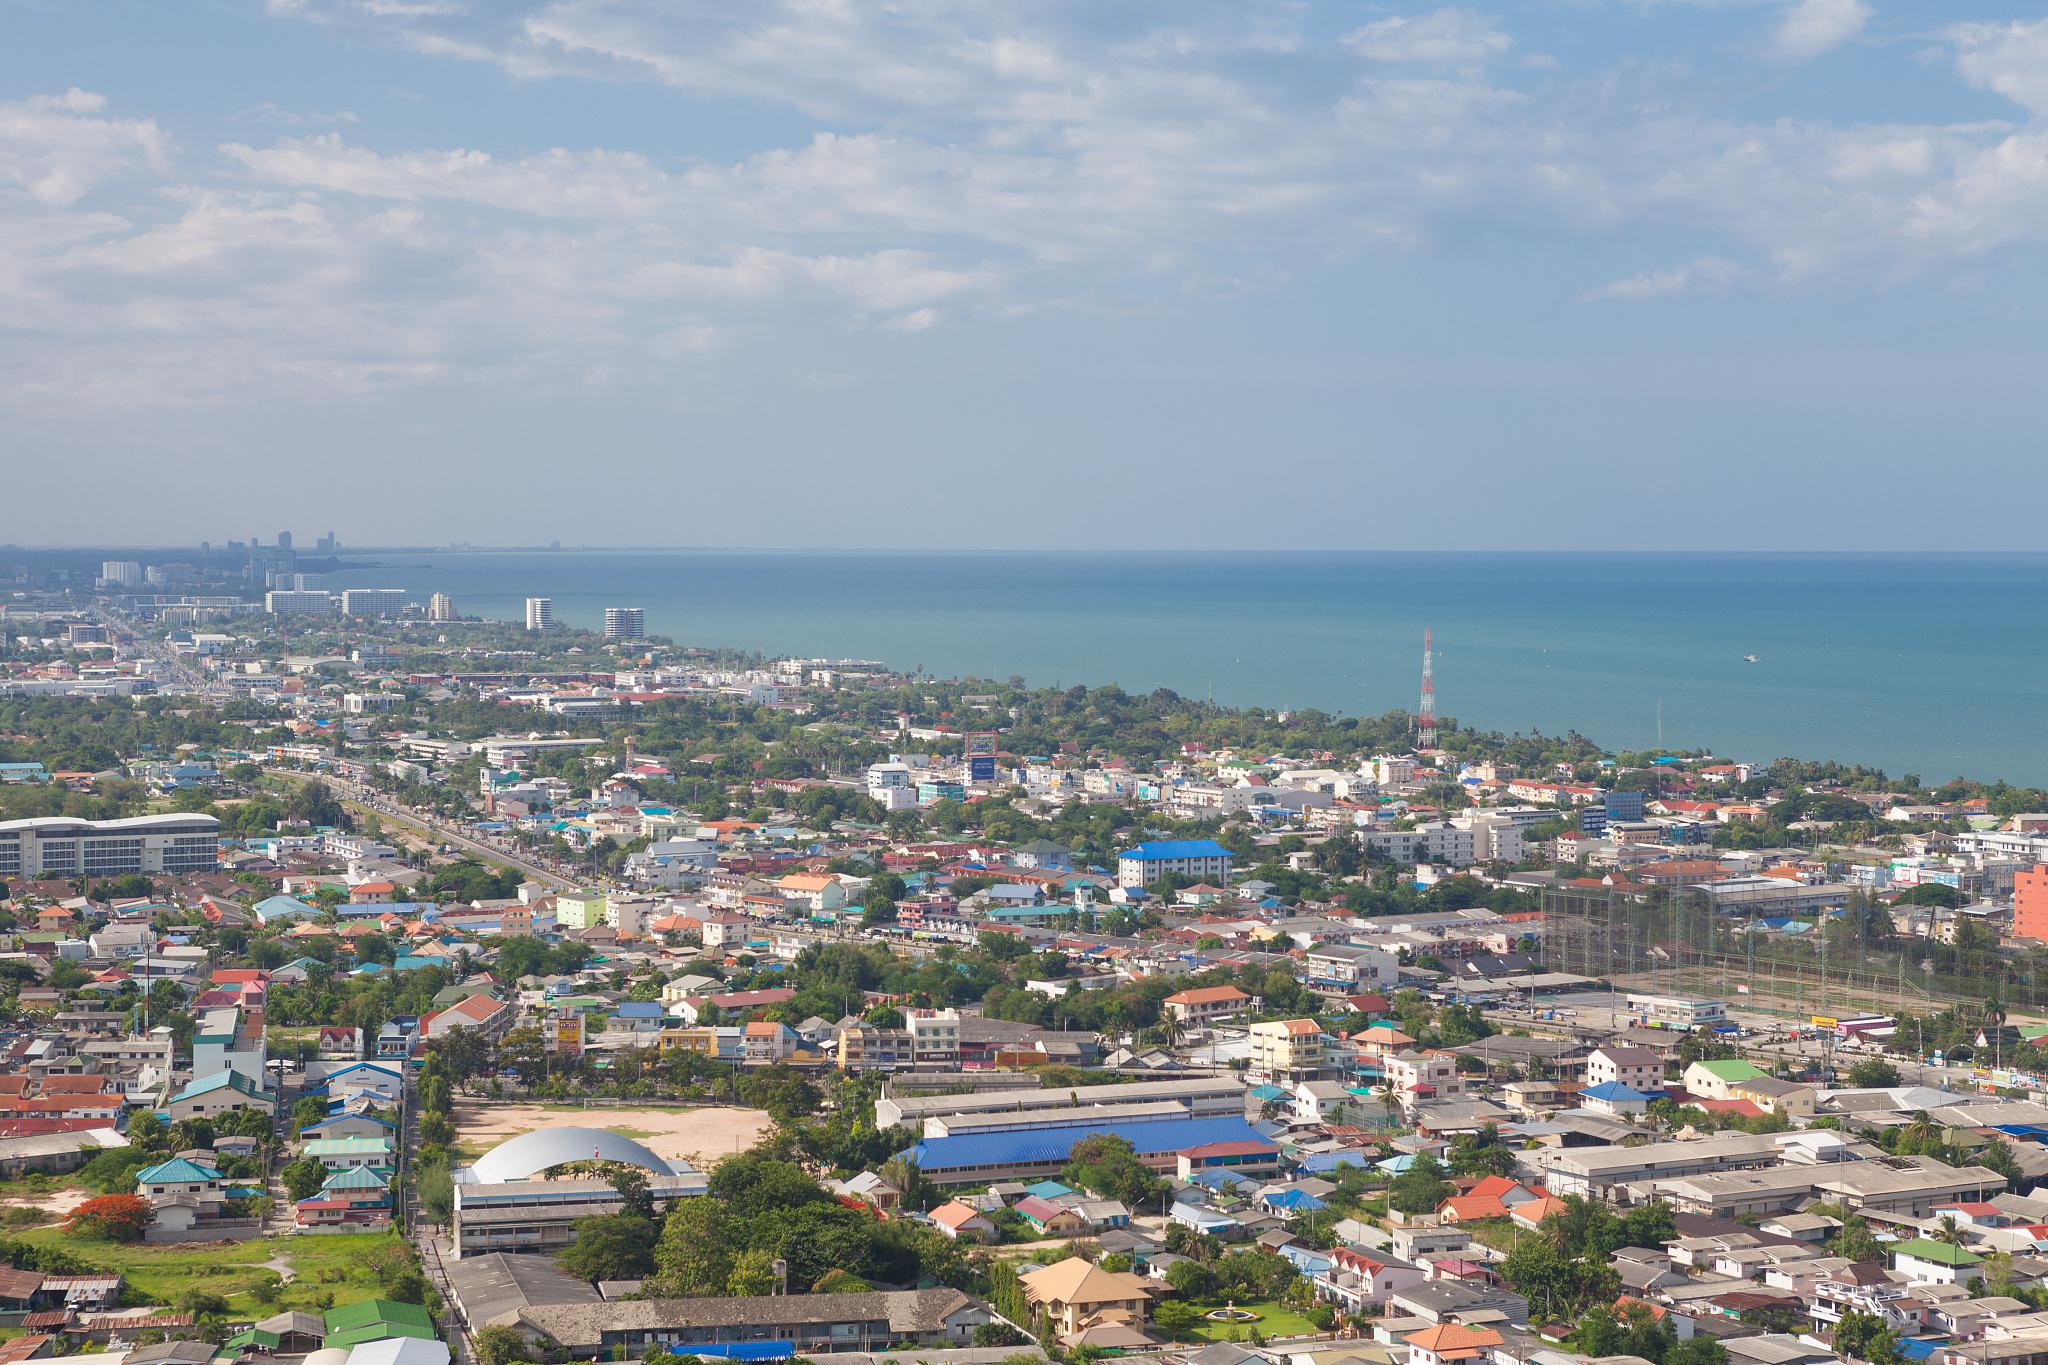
x=1037, y=1145
x=742, y=1350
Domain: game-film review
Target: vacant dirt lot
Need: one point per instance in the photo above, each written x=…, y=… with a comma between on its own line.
x=699, y=1135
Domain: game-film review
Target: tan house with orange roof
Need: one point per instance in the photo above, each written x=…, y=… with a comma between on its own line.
x=817, y=892
x=1205, y=1004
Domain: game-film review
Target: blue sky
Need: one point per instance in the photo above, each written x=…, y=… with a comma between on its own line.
x=1555, y=273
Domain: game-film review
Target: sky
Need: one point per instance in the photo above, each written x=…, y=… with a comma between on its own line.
x=1028, y=274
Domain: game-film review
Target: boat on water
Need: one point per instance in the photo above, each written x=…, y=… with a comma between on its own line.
x=1751, y=659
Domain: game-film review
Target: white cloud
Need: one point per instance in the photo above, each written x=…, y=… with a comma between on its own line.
x=57, y=148
x=1445, y=37
x=2006, y=59
x=1812, y=27
x=921, y=320
x=987, y=160
x=1708, y=274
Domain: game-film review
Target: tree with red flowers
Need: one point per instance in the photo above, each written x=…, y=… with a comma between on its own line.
x=111, y=1218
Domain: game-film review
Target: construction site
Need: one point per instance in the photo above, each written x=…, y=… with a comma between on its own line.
x=1839, y=962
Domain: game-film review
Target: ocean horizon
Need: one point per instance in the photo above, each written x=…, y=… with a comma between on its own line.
x=1924, y=663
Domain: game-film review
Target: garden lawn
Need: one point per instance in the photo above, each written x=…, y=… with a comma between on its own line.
x=1274, y=1321
x=322, y=1264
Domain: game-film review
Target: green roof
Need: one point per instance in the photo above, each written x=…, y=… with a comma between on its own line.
x=377, y=1320
x=177, y=1169
x=233, y=1080
x=1940, y=1253
x=358, y=1146
x=356, y=1178
x=1731, y=1071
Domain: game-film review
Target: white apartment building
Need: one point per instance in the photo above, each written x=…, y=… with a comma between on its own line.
x=891, y=786
x=1638, y=1068
x=540, y=613
x=625, y=623
x=1439, y=842
x=372, y=601
x=121, y=573
x=440, y=607
x=299, y=602
x=64, y=846
x=1496, y=836
x=934, y=1035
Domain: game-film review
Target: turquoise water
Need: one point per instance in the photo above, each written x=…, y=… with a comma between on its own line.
x=1931, y=664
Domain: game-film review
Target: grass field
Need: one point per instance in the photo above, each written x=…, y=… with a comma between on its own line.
x=337, y=1265
x=1274, y=1321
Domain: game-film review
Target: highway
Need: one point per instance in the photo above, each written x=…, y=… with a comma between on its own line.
x=502, y=852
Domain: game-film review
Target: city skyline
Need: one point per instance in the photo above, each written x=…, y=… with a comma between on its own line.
x=815, y=275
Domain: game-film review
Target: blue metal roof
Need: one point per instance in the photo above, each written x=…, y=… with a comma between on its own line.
x=1036, y=1145
x=1176, y=848
x=1612, y=1090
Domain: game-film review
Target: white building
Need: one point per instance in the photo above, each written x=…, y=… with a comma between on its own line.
x=625, y=623
x=65, y=846
x=298, y=602
x=1439, y=842
x=440, y=607
x=540, y=613
x=121, y=573
x=372, y=601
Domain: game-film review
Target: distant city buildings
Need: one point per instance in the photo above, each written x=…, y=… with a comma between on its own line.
x=540, y=613
x=625, y=623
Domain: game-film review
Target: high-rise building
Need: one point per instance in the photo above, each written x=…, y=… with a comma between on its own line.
x=121, y=573
x=440, y=607
x=284, y=540
x=293, y=602
x=372, y=601
x=540, y=613
x=625, y=623
x=2030, y=903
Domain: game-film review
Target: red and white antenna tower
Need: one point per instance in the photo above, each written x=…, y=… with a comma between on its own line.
x=1425, y=717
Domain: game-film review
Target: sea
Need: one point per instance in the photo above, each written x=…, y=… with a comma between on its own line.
x=1929, y=664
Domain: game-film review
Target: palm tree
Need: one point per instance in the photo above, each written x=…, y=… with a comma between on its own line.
x=1994, y=1023
x=1948, y=1231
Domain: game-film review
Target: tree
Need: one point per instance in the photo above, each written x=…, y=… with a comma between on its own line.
x=997, y=1334
x=110, y=1218
x=1863, y=1336
x=1481, y=1153
x=1873, y=1073
x=753, y=1274
x=303, y=1178
x=1191, y=1279
x=613, y=1246
x=1177, y=1321
x=1420, y=1188
x=837, y=1281
x=499, y=1346
x=693, y=1257
x=1108, y=1165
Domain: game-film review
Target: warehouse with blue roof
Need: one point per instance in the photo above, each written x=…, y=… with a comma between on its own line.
x=1031, y=1153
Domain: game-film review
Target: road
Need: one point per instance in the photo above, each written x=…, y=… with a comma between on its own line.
x=491, y=850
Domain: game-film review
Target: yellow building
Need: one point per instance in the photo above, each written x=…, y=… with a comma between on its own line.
x=1289, y=1049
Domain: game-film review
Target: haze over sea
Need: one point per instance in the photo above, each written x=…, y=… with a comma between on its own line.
x=1925, y=663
